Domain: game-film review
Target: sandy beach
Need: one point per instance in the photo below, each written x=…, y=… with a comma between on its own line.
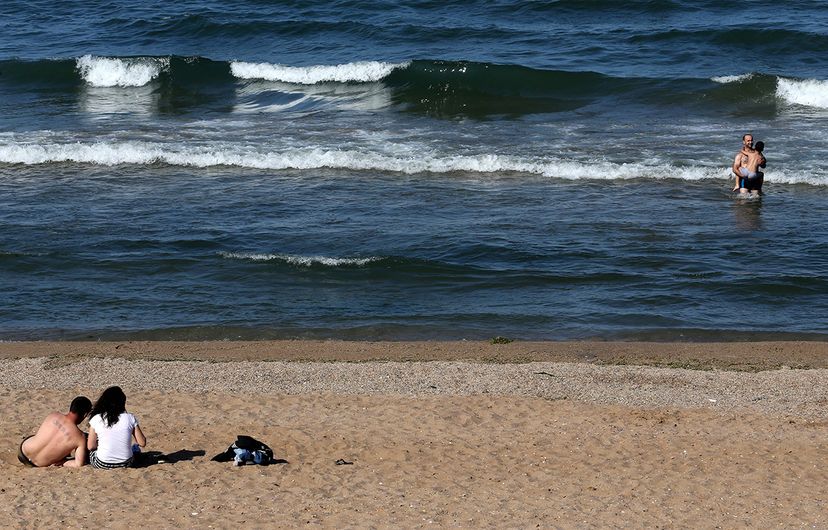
x=440, y=434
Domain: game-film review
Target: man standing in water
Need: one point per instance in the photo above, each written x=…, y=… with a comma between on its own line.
x=57, y=437
x=741, y=159
x=746, y=166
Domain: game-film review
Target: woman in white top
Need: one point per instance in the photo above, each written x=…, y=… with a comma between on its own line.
x=111, y=430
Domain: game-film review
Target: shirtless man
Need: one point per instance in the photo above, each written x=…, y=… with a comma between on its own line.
x=741, y=159
x=746, y=166
x=56, y=438
x=753, y=178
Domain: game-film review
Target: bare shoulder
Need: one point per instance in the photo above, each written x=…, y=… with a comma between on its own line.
x=54, y=419
x=70, y=425
x=77, y=434
x=67, y=427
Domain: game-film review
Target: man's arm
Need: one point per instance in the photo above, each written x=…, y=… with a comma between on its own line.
x=80, y=455
x=737, y=163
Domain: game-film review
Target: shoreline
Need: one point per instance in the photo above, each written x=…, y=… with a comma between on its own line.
x=738, y=356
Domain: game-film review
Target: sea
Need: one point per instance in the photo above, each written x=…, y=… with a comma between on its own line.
x=411, y=170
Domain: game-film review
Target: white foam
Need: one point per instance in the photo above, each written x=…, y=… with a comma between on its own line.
x=362, y=72
x=112, y=72
x=809, y=92
x=303, y=261
x=393, y=158
x=101, y=153
x=724, y=79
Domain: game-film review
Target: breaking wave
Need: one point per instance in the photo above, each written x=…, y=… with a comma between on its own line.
x=724, y=79
x=301, y=261
x=112, y=72
x=809, y=92
x=311, y=158
x=360, y=72
x=447, y=88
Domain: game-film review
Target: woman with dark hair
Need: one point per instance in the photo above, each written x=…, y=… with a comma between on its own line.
x=111, y=430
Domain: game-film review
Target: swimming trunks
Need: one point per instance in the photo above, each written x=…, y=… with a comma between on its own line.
x=21, y=456
x=753, y=183
x=746, y=172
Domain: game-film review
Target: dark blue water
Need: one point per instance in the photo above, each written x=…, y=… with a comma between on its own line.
x=372, y=170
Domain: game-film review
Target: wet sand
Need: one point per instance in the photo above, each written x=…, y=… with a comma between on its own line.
x=703, y=355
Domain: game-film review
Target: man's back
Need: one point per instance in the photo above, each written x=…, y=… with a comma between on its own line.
x=56, y=438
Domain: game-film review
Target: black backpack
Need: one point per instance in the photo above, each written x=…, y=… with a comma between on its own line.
x=244, y=442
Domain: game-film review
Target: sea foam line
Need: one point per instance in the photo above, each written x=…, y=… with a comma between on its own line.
x=303, y=261
x=110, y=154
x=112, y=72
x=308, y=158
x=362, y=72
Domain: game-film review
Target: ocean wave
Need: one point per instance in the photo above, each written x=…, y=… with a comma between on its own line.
x=725, y=79
x=437, y=88
x=301, y=261
x=142, y=153
x=600, y=6
x=360, y=72
x=208, y=25
x=120, y=72
x=807, y=92
x=755, y=87
x=388, y=161
x=20, y=254
x=725, y=38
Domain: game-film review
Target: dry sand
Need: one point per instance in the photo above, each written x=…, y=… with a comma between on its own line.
x=440, y=434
